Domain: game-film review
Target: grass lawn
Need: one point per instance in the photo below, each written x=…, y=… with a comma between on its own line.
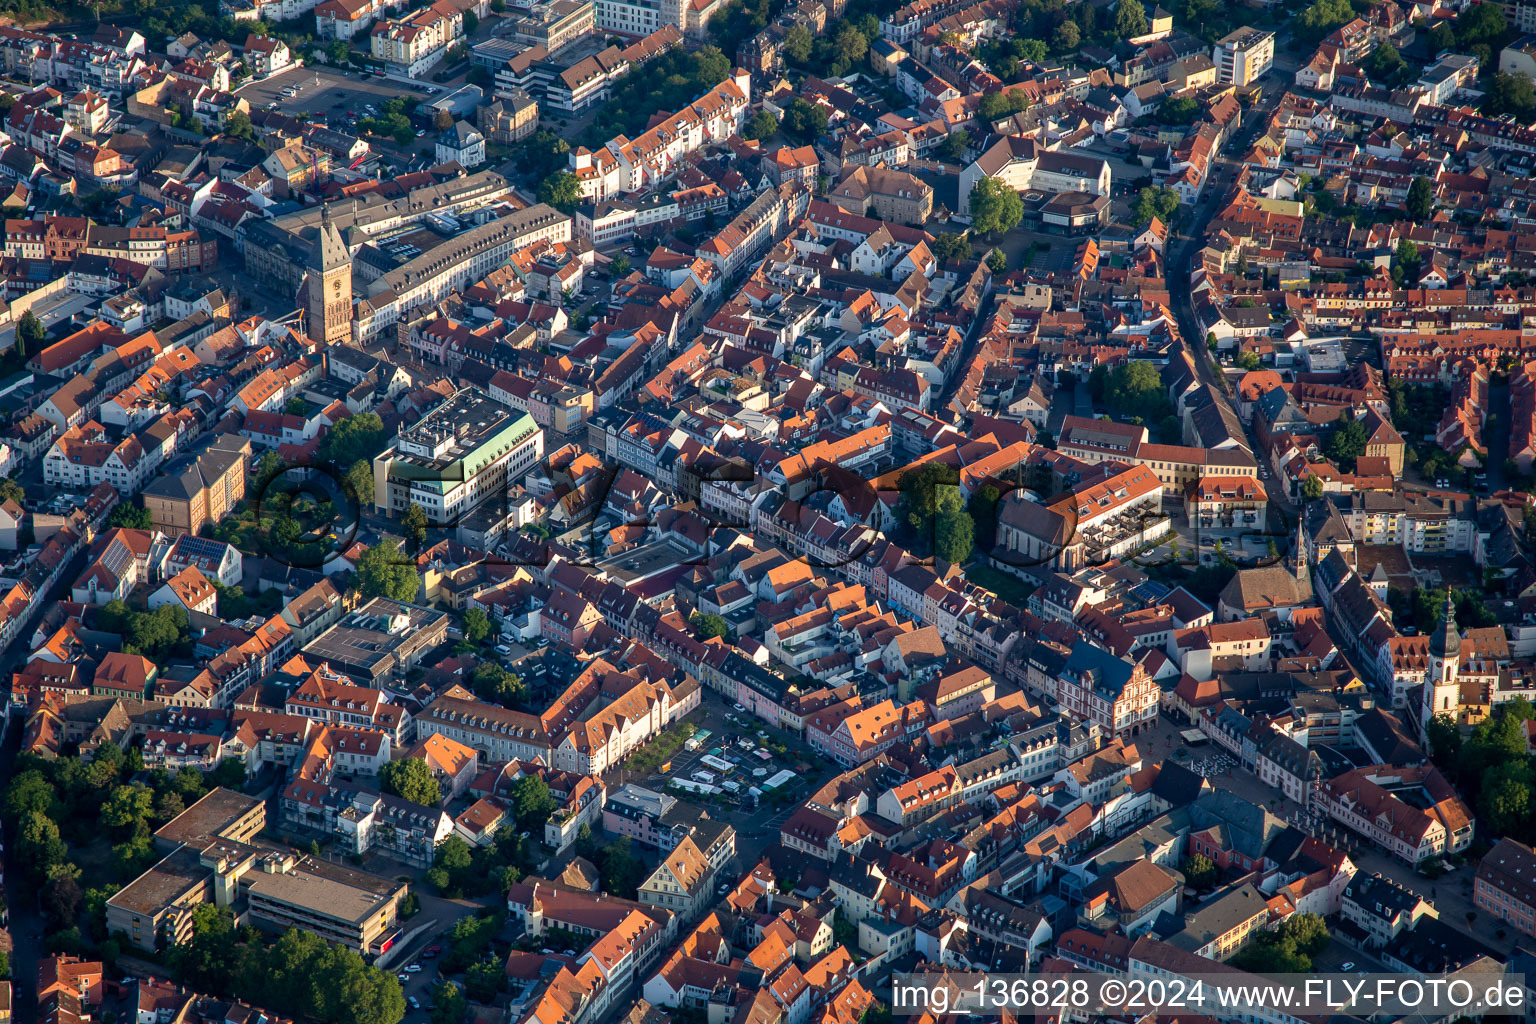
x=1004, y=584
x=660, y=750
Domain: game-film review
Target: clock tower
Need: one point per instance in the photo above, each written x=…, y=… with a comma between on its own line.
x=1442, y=688
x=328, y=280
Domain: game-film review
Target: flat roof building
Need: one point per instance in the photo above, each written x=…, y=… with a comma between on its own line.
x=381, y=641
x=462, y=454
x=214, y=855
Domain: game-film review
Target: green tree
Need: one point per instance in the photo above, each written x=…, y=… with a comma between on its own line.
x=851, y=44
x=1130, y=19
x=1136, y=389
x=947, y=245
x=1323, y=17
x=383, y=572
x=760, y=125
x=493, y=683
x=1385, y=63
x=1481, y=26
x=127, y=807
x=451, y=864
x=156, y=634
x=132, y=517
x=1312, y=487
x=482, y=981
x=562, y=190
x=955, y=532
x=230, y=774
x=804, y=120
x=532, y=803
x=1444, y=740
x=1066, y=38
x=982, y=508
x=410, y=779
x=997, y=261
x=1308, y=931
x=1421, y=199
x=359, y=482
x=471, y=23
x=238, y=125
x=995, y=208
x=954, y=145
x=1199, y=871
x=477, y=625
x=1442, y=37
x=30, y=792
x=414, y=523
x=1504, y=797
x=797, y=44
x=621, y=266
x=1510, y=93
x=930, y=517
x=994, y=105
x=30, y=334
x=339, y=52
x=1346, y=443
x=450, y=1004
x=38, y=844
x=1179, y=110
x=354, y=438
x=708, y=625
x=620, y=870
x=1155, y=201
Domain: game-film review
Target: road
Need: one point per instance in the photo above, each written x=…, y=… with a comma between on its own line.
x=22, y=897
x=1179, y=265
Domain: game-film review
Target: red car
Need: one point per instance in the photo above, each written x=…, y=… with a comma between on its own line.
x=434, y=950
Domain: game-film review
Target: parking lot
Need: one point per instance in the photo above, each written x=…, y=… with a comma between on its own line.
x=320, y=89
x=53, y=311
x=728, y=737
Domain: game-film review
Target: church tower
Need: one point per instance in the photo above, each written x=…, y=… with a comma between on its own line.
x=1298, y=558
x=1442, y=690
x=328, y=280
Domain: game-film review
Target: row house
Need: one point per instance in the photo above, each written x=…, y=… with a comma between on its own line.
x=626, y=165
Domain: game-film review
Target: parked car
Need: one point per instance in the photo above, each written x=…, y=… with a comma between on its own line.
x=415, y=1003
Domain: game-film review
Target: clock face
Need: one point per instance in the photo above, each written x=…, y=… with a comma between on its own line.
x=337, y=286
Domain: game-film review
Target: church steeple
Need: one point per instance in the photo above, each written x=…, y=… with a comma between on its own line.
x=1442, y=685
x=1446, y=639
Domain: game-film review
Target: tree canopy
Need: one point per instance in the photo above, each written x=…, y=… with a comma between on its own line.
x=1346, y=443
x=355, y=438
x=995, y=207
x=708, y=625
x=1155, y=201
x=383, y=571
x=562, y=190
x=804, y=120
x=410, y=779
x=930, y=516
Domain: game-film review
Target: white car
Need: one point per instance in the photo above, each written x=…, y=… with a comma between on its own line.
x=413, y=969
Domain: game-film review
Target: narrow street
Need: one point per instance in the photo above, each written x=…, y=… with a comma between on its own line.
x=1179, y=264
x=22, y=899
